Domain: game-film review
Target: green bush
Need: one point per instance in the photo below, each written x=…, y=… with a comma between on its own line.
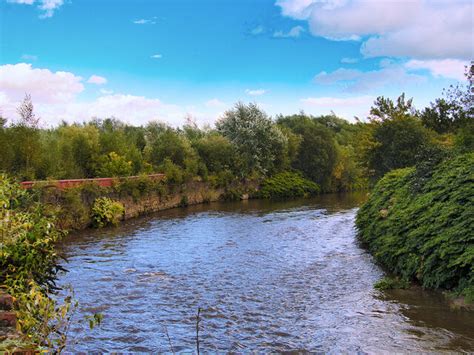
x=423, y=231
x=390, y=283
x=106, y=212
x=287, y=185
x=28, y=267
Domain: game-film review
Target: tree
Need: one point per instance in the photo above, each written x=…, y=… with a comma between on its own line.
x=385, y=109
x=317, y=154
x=455, y=110
x=26, y=140
x=217, y=152
x=257, y=140
x=113, y=165
x=166, y=143
x=396, y=136
x=26, y=111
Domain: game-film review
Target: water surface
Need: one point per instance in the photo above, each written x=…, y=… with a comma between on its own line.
x=281, y=276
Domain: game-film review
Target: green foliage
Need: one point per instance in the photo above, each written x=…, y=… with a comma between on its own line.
x=395, y=137
x=106, y=212
x=174, y=174
x=455, y=110
x=385, y=109
x=27, y=239
x=113, y=165
x=464, y=141
x=184, y=201
x=423, y=231
x=390, y=283
x=287, y=185
x=169, y=144
x=28, y=267
x=316, y=154
x=256, y=139
x=217, y=152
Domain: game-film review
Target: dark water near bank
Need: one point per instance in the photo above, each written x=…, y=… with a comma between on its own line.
x=268, y=276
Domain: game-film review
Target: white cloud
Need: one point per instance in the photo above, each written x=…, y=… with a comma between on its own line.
x=56, y=97
x=97, y=80
x=143, y=21
x=25, y=2
x=140, y=108
x=419, y=29
x=355, y=80
x=106, y=92
x=349, y=60
x=446, y=68
x=256, y=92
x=345, y=107
x=295, y=32
x=157, y=56
x=47, y=7
x=298, y=9
x=215, y=103
x=29, y=57
x=42, y=84
x=257, y=30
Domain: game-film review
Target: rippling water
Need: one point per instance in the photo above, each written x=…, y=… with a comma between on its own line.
x=267, y=276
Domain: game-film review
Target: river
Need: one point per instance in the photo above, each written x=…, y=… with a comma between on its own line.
x=268, y=276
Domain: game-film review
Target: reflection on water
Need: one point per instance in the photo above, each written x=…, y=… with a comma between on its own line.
x=271, y=276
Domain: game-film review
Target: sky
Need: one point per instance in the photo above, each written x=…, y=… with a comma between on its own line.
x=165, y=60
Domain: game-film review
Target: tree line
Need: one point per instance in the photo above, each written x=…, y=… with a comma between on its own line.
x=245, y=143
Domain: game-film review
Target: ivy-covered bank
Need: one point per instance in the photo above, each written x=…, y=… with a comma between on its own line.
x=419, y=223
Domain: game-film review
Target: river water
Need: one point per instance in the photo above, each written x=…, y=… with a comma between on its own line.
x=268, y=276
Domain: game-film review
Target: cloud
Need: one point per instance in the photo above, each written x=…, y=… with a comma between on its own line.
x=419, y=29
x=25, y=2
x=157, y=56
x=349, y=60
x=29, y=57
x=355, y=80
x=106, y=92
x=97, y=80
x=125, y=106
x=47, y=7
x=295, y=32
x=298, y=9
x=257, y=30
x=143, y=21
x=446, y=68
x=56, y=97
x=257, y=92
x=345, y=107
x=215, y=103
x=42, y=84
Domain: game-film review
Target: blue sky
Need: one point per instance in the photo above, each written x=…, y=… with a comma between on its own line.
x=147, y=60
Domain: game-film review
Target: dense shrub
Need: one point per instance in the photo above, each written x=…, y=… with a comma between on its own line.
x=423, y=232
x=287, y=184
x=28, y=266
x=106, y=212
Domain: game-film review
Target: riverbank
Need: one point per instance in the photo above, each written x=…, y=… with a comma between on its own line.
x=418, y=224
x=74, y=206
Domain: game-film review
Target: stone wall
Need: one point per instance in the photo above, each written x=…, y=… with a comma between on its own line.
x=75, y=213
x=191, y=194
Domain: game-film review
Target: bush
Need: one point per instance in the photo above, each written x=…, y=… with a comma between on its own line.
x=106, y=212
x=287, y=184
x=390, y=283
x=28, y=266
x=423, y=232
